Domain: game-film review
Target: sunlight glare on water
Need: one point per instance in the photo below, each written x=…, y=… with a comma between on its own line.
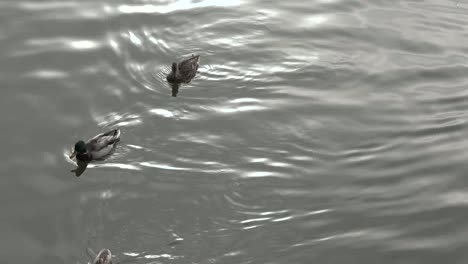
x=175, y=6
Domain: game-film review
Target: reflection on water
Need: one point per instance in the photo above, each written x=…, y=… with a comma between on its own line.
x=175, y=88
x=80, y=169
x=314, y=128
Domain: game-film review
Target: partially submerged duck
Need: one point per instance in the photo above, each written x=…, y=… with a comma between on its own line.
x=184, y=71
x=96, y=148
x=103, y=257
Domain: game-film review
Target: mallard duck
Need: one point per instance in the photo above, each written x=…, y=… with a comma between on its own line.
x=103, y=257
x=96, y=148
x=185, y=71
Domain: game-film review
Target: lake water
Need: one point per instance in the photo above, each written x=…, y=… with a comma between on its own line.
x=315, y=131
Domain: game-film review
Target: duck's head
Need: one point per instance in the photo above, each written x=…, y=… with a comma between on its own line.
x=103, y=257
x=80, y=148
x=171, y=77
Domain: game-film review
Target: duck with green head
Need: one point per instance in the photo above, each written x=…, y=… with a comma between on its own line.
x=96, y=148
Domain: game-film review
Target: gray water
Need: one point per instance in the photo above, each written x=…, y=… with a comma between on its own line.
x=315, y=131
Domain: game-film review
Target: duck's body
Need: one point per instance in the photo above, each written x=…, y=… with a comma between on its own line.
x=96, y=148
x=103, y=257
x=184, y=71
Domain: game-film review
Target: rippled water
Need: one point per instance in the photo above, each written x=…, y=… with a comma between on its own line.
x=314, y=132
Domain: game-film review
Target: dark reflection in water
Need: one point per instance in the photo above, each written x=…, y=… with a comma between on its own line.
x=175, y=88
x=81, y=168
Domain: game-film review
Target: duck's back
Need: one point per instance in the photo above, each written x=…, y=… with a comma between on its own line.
x=188, y=68
x=103, y=257
x=103, y=144
x=103, y=140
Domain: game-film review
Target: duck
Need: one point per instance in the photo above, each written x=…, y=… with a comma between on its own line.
x=184, y=71
x=96, y=148
x=103, y=257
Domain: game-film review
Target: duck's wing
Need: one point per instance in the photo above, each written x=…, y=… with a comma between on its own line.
x=104, y=140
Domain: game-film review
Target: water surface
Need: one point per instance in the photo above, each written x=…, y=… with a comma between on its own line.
x=314, y=132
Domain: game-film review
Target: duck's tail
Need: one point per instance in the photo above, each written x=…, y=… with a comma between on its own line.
x=195, y=57
x=112, y=136
x=103, y=257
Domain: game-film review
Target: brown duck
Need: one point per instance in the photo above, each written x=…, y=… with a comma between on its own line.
x=184, y=71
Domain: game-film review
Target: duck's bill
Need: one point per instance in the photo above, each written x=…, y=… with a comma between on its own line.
x=73, y=155
x=103, y=257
